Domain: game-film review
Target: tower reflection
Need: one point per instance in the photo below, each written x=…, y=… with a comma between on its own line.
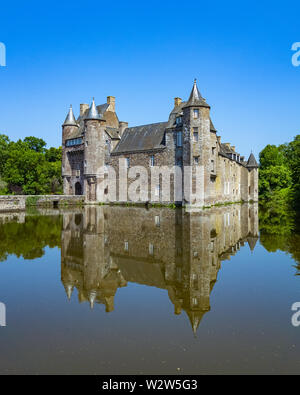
x=104, y=248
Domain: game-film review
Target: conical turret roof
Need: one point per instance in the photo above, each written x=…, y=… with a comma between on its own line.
x=252, y=240
x=195, y=318
x=93, y=113
x=92, y=298
x=252, y=163
x=195, y=98
x=70, y=120
x=69, y=289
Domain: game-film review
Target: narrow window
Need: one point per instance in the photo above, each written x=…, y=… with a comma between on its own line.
x=196, y=160
x=128, y=162
x=107, y=142
x=152, y=161
x=126, y=246
x=196, y=137
x=157, y=220
x=157, y=190
x=196, y=113
x=213, y=166
x=151, y=249
x=179, y=139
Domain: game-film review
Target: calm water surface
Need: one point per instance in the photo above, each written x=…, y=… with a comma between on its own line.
x=130, y=291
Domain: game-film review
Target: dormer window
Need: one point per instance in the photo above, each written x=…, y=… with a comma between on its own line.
x=196, y=113
x=178, y=121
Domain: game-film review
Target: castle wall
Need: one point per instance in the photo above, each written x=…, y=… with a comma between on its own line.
x=163, y=157
x=223, y=180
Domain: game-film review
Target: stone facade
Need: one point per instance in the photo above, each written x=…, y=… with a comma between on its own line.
x=104, y=248
x=188, y=141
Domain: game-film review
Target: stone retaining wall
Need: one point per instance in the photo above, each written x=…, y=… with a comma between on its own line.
x=20, y=202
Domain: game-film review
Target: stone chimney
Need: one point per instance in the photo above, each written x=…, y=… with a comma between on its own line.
x=228, y=145
x=177, y=101
x=219, y=139
x=233, y=148
x=83, y=108
x=111, y=100
x=122, y=127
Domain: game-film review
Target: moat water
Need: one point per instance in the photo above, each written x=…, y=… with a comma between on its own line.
x=124, y=290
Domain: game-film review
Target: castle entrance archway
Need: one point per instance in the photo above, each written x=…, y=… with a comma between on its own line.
x=78, y=189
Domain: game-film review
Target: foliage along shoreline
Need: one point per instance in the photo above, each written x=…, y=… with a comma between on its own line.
x=279, y=188
x=27, y=167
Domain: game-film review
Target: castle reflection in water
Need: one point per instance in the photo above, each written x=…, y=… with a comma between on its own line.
x=104, y=248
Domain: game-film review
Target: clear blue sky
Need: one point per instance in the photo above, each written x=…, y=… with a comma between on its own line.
x=145, y=54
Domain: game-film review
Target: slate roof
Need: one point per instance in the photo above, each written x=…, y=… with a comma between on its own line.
x=113, y=133
x=212, y=127
x=252, y=161
x=80, y=120
x=138, y=270
x=195, y=98
x=101, y=110
x=142, y=138
x=93, y=112
x=252, y=241
x=178, y=110
x=227, y=152
x=70, y=119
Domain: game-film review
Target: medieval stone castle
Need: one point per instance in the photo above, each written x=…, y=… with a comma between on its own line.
x=98, y=140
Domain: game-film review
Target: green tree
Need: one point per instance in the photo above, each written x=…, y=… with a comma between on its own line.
x=271, y=156
x=4, y=144
x=25, y=170
x=54, y=154
x=27, y=167
x=35, y=144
